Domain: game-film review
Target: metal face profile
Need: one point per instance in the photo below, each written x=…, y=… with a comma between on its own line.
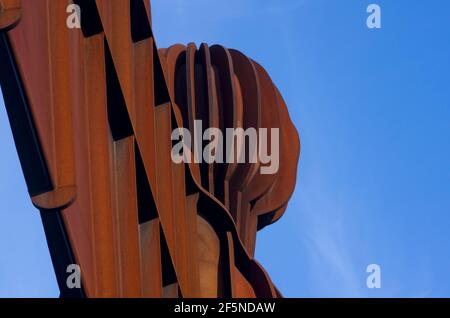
x=92, y=111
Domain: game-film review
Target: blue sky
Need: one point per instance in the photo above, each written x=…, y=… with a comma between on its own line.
x=373, y=111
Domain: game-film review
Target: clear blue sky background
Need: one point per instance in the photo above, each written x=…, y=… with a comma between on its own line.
x=373, y=111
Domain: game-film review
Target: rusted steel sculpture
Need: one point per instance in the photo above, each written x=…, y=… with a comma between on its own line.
x=92, y=111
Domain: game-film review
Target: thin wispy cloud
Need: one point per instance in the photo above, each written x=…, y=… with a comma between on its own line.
x=331, y=263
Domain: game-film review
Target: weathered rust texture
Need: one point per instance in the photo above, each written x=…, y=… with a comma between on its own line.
x=103, y=101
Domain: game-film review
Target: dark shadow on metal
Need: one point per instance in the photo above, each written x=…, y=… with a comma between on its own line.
x=140, y=25
x=91, y=23
x=119, y=120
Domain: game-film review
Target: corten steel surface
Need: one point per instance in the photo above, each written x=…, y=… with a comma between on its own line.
x=92, y=112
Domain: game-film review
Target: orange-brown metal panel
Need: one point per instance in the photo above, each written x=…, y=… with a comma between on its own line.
x=126, y=217
x=100, y=167
x=164, y=177
x=143, y=118
x=151, y=259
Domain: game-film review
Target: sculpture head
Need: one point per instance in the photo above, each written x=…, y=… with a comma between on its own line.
x=214, y=87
